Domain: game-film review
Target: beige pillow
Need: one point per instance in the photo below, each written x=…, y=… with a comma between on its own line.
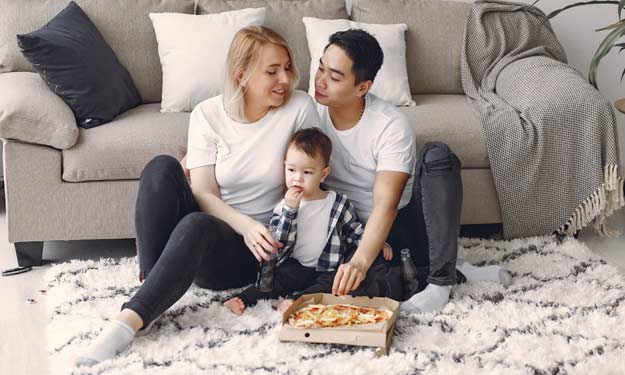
x=193, y=51
x=31, y=112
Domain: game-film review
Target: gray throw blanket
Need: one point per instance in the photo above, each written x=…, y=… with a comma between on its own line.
x=551, y=137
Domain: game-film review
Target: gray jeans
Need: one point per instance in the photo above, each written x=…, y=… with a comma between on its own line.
x=430, y=224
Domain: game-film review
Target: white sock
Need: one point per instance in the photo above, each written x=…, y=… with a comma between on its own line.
x=431, y=299
x=114, y=338
x=495, y=274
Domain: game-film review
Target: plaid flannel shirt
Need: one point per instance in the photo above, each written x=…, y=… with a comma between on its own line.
x=344, y=233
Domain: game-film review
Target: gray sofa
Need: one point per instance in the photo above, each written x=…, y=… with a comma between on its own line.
x=87, y=190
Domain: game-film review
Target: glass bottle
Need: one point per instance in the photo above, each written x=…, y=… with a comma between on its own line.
x=266, y=273
x=408, y=272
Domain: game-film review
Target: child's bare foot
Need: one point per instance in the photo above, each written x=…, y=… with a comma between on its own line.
x=284, y=304
x=235, y=305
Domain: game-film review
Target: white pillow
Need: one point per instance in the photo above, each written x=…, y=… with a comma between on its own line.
x=391, y=82
x=193, y=51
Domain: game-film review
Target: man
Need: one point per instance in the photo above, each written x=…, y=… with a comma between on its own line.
x=412, y=201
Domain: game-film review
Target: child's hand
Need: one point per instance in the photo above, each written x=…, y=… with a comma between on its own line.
x=293, y=196
x=387, y=252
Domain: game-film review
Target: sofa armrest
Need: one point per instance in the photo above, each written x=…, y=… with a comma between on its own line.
x=539, y=86
x=31, y=112
x=40, y=206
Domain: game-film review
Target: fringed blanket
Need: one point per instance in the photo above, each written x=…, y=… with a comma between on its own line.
x=551, y=137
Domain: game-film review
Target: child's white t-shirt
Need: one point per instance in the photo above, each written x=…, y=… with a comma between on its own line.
x=248, y=158
x=381, y=141
x=313, y=218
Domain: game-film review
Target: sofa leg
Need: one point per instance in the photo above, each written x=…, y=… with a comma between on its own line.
x=29, y=253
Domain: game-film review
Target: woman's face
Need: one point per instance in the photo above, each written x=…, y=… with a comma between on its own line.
x=269, y=83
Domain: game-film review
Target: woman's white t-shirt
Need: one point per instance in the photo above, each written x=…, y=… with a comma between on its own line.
x=313, y=219
x=381, y=141
x=248, y=157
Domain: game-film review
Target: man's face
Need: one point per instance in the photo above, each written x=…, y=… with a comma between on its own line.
x=335, y=81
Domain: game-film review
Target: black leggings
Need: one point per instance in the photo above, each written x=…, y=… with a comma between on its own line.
x=178, y=244
x=292, y=280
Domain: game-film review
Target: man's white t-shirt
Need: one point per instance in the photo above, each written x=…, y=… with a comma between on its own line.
x=248, y=157
x=381, y=141
x=313, y=218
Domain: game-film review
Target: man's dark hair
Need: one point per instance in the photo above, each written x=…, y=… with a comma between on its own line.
x=313, y=142
x=363, y=49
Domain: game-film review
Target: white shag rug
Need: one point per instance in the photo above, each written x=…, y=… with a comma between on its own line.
x=564, y=314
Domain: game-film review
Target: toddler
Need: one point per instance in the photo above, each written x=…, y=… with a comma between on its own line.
x=319, y=230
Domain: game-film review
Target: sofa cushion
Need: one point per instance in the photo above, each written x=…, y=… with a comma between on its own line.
x=449, y=119
x=120, y=150
x=285, y=17
x=77, y=64
x=433, y=39
x=124, y=24
x=34, y=114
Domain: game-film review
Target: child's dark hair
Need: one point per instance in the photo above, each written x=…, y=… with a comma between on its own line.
x=313, y=142
x=364, y=51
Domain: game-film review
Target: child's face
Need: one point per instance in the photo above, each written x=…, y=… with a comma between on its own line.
x=303, y=171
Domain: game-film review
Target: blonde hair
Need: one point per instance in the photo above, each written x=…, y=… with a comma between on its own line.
x=244, y=55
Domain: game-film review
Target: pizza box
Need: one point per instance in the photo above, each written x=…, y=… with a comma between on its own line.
x=376, y=334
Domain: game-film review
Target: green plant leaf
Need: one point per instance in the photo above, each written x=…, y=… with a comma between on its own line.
x=612, y=26
x=604, y=47
x=620, y=45
x=558, y=11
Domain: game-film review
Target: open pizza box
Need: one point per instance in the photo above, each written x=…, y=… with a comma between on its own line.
x=375, y=334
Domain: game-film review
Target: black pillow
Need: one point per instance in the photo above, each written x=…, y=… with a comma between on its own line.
x=78, y=65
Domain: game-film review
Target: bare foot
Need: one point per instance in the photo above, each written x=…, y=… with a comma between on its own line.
x=284, y=304
x=235, y=305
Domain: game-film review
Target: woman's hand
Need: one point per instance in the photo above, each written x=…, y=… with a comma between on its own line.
x=260, y=241
x=348, y=277
x=293, y=196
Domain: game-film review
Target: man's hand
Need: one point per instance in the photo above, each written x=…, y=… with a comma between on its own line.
x=348, y=277
x=293, y=196
x=387, y=251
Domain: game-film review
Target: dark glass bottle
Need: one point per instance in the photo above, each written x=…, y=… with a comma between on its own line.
x=408, y=272
x=267, y=272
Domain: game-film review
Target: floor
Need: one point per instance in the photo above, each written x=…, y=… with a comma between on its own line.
x=22, y=324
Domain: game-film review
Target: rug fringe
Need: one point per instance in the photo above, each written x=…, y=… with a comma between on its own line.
x=598, y=206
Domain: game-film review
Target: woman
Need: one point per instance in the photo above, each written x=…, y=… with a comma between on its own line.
x=213, y=234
